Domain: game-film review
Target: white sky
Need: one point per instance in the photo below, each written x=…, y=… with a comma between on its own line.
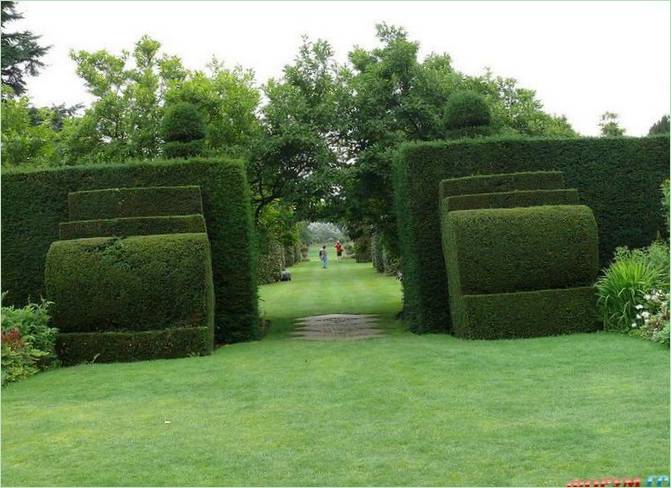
x=582, y=58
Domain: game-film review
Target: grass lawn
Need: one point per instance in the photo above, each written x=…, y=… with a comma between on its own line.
x=401, y=410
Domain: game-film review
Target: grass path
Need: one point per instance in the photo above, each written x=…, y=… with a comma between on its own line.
x=400, y=410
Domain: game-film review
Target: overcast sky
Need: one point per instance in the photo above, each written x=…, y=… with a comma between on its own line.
x=582, y=58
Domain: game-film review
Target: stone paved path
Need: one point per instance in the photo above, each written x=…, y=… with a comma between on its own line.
x=337, y=327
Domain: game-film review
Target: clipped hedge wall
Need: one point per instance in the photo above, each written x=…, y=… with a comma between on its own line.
x=510, y=199
x=105, y=347
x=526, y=314
x=36, y=201
x=516, y=249
x=132, y=226
x=135, y=202
x=616, y=177
x=137, y=283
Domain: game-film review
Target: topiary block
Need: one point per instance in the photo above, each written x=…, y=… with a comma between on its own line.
x=135, y=202
x=514, y=249
x=511, y=199
x=128, y=285
x=132, y=226
x=507, y=182
x=106, y=347
x=525, y=314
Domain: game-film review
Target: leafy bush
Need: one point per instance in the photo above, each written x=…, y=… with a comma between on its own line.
x=28, y=343
x=132, y=226
x=652, y=317
x=270, y=262
x=613, y=176
x=467, y=109
x=35, y=202
x=623, y=287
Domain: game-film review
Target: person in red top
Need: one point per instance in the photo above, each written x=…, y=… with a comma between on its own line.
x=338, y=247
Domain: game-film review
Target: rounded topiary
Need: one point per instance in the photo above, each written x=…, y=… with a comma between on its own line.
x=183, y=130
x=467, y=109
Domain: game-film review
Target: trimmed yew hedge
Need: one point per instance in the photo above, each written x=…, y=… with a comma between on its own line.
x=527, y=180
x=517, y=249
x=132, y=226
x=137, y=283
x=36, y=201
x=617, y=178
x=526, y=314
x=135, y=202
x=510, y=199
x=106, y=347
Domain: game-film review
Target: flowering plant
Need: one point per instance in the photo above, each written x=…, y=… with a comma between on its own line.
x=652, y=316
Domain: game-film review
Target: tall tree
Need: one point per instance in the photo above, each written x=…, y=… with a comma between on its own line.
x=660, y=127
x=21, y=52
x=610, y=125
x=297, y=156
x=398, y=98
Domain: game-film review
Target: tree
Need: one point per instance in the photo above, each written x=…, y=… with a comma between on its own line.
x=21, y=53
x=660, y=127
x=610, y=125
x=297, y=155
x=397, y=98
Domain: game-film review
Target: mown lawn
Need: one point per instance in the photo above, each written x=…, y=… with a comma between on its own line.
x=402, y=410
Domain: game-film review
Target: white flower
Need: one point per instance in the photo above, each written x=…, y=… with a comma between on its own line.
x=645, y=314
x=638, y=307
x=647, y=297
x=633, y=324
x=638, y=315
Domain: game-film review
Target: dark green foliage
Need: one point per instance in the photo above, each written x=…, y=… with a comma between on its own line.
x=517, y=249
x=270, y=262
x=132, y=226
x=35, y=202
x=362, y=249
x=178, y=149
x=182, y=122
x=467, y=109
x=662, y=126
x=613, y=176
x=138, y=283
x=527, y=314
x=77, y=347
x=183, y=131
x=377, y=253
x=135, y=202
x=529, y=180
x=21, y=52
x=525, y=198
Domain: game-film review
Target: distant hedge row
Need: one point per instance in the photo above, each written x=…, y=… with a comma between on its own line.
x=618, y=178
x=35, y=202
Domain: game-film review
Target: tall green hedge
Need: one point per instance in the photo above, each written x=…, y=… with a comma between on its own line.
x=132, y=226
x=616, y=177
x=34, y=202
x=135, y=202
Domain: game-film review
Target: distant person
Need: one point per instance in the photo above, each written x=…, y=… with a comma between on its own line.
x=338, y=247
x=323, y=257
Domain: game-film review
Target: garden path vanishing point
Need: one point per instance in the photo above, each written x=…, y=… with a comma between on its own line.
x=337, y=327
